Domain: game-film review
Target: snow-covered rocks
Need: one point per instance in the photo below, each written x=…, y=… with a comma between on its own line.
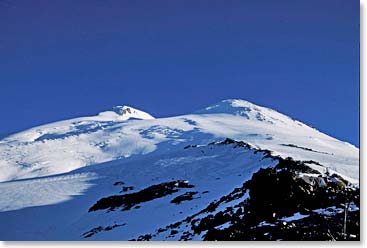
x=126, y=113
x=123, y=113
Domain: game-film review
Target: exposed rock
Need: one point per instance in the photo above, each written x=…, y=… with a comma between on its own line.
x=127, y=201
x=188, y=196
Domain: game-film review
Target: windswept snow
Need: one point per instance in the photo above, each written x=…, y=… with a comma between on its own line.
x=43, y=191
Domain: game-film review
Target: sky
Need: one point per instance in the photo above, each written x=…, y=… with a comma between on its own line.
x=64, y=59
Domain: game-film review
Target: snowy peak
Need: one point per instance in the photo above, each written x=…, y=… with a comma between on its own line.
x=229, y=106
x=248, y=110
x=127, y=112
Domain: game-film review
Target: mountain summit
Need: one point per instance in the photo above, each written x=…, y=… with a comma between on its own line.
x=127, y=112
x=123, y=113
x=245, y=109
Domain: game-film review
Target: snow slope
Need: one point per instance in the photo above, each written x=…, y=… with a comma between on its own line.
x=98, y=156
x=204, y=167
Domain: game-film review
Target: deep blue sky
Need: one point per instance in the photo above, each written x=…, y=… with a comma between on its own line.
x=62, y=59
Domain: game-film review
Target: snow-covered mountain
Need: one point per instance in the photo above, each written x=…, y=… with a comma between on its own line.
x=100, y=177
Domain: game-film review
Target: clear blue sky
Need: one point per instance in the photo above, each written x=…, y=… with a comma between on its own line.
x=62, y=59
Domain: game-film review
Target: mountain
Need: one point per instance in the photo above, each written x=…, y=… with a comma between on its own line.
x=231, y=171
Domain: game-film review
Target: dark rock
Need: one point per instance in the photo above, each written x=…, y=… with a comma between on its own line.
x=118, y=183
x=127, y=201
x=188, y=196
x=126, y=188
x=98, y=229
